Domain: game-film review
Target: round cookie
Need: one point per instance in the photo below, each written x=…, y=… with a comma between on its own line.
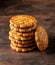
x=11, y=38
x=22, y=42
x=22, y=49
x=14, y=28
x=28, y=38
x=29, y=34
x=12, y=33
x=22, y=38
x=41, y=38
x=23, y=30
x=22, y=45
x=23, y=21
x=27, y=29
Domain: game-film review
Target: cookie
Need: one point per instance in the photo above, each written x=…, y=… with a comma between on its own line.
x=21, y=38
x=22, y=45
x=13, y=28
x=25, y=42
x=21, y=42
x=12, y=33
x=29, y=34
x=28, y=38
x=22, y=49
x=18, y=36
x=23, y=30
x=41, y=38
x=11, y=38
x=27, y=29
x=23, y=21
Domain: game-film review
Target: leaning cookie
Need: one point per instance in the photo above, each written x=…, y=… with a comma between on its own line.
x=41, y=38
x=22, y=49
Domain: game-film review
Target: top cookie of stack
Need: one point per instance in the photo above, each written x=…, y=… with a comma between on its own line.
x=23, y=21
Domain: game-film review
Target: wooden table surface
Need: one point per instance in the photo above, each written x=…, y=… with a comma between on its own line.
x=45, y=18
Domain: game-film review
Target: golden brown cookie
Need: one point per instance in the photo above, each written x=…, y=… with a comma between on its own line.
x=41, y=38
x=14, y=28
x=29, y=34
x=22, y=45
x=23, y=21
x=27, y=29
x=11, y=38
x=11, y=25
x=23, y=30
x=16, y=37
x=25, y=42
x=12, y=33
x=27, y=38
x=22, y=49
x=22, y=42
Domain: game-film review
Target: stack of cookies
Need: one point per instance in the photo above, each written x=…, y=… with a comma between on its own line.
x=22, y=33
